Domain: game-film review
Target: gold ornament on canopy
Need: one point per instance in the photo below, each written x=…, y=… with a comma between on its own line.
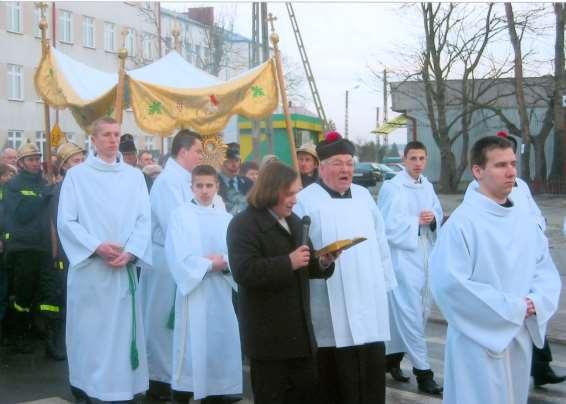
x=214, y=150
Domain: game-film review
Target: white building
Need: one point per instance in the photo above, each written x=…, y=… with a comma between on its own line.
x=89, y=32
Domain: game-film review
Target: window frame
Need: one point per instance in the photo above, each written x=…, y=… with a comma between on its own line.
x=63, y=23
x=12, y=141
x=85, y=28
x=108, y=24
x=11, y=7
x=13, y=76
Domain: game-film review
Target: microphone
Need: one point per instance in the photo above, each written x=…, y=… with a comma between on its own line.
x=306, y=226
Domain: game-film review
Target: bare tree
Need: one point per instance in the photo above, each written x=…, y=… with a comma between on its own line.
x=559, y=157
x=294, y=81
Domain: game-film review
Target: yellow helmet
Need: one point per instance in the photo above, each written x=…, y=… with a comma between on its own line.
x=28, y=149
x=66, y=151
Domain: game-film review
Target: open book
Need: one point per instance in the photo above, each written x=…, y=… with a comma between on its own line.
x=339, y=246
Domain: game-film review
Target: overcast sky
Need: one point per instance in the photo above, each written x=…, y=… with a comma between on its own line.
x=342, y=39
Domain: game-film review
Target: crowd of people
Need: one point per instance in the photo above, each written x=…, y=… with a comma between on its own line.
x=164, y=278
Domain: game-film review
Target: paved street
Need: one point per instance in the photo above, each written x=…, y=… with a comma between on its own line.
x=29, y=378
x=26, y=378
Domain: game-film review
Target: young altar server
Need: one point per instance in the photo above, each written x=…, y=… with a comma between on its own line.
x=207, y=359
x=104, y=227
x=412, y=214
x=494, y=281
x=349, y=310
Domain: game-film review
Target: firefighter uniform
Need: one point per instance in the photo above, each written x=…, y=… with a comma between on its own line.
x=28, y=249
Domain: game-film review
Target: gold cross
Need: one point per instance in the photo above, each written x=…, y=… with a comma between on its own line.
x=270, y=19
x=42, y=5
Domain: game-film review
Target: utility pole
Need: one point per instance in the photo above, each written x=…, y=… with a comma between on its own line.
x=377, y=124
x=385, y=107
x=346, y=115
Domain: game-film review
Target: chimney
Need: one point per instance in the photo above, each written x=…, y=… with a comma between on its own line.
x=204, y=15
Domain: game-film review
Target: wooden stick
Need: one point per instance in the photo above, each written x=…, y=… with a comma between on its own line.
x=119, y=102
x=281, y=80
x=46, y=120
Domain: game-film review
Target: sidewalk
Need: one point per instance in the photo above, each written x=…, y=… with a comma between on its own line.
x=554, y=210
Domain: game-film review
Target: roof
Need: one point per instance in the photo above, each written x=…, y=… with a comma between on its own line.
x=410, y=95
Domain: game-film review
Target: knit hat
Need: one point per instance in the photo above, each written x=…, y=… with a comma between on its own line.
x=28, y=149
x=308, y=148
x=66, y=151
x=127, y=144
x=334, y=144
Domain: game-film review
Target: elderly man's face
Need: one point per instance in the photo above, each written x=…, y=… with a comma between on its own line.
x=9, y=156
x=145, y=159
x=337, y=172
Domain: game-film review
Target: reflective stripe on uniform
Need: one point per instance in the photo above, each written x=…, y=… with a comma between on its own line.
x=60, y=265
x=7, y=236
x=48, y=307
x=28, y=192
x=20, y=308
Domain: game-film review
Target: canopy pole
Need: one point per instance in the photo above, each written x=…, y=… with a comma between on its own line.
x=119, y=102
x=47, y=124
x=281, y=80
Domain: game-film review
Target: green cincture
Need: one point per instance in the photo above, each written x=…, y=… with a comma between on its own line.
x=134, y=355
x=171, y=319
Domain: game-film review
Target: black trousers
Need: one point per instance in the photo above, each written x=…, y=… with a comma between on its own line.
x=541, y=359
x=287, y=381
x=352, y=375
x=184, y=397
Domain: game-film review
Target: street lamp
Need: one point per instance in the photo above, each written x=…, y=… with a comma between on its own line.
x=346, y=112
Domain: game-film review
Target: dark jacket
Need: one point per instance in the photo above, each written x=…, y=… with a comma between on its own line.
x=27, y=213
x=235, y=201
x=274, y=307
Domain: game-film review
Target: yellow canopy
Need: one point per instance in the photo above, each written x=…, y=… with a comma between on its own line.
x=169, y=94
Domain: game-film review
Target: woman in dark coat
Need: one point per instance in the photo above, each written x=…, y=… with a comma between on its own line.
x=272, y=270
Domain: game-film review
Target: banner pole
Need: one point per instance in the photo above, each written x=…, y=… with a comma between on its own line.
x=46, y=120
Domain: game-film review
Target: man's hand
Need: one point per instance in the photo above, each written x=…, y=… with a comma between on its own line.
x=121, y=260
x=327, y=259
x=531, y=311
x=300, y=257
x=426, y=217
x=109, y=251
x=219, y=264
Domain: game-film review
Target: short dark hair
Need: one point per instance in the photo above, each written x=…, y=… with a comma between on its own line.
x=142, y=152
x=204, y=170
x=414, y=145
x=247, y=166
x=273, y=179
x=185, y=138
x=478, y=154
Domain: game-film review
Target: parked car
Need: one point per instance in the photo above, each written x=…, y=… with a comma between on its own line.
x=386, y=171
x=395, y=166
x=367, y=174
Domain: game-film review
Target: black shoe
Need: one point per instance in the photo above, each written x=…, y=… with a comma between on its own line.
x=426, y=383
x=397, y=374
x=429, y=386
x=548, y=377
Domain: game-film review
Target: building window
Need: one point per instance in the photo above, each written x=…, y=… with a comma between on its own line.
x=15, y=138
x=65, y=26
x=149, y=143
x=109, y=37
x=70, y=136
x=88, y=32
x=188, y=51
x=40, y=140
x=131, y=42
x=36, y=20
x=147, y=48
x=14, y=17
x=15, y=82
x=168, y=144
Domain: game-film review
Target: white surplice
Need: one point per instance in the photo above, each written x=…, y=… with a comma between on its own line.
x=207, y=358
x=103, y=202
x=350, y=307
x=401, y=200
x=521, y=197
x=157, y=287
x=486, y=261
